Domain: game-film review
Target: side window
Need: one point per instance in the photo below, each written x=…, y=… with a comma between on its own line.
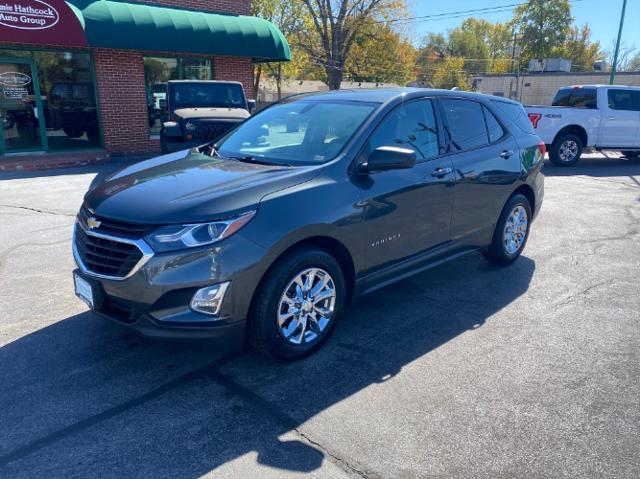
x=412, y=125
x=493, y=127
x=622, y=100
x=466, y=124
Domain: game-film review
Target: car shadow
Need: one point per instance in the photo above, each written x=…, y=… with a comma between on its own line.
x=84, y=397
x=596, y=167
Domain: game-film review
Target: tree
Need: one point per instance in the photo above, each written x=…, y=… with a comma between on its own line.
x=379, y=54
x=336, y=24
x=450, y=73
x=288, y=16
x=634, y=63
x=580, y=49
x=543, y=26
x=625, y=57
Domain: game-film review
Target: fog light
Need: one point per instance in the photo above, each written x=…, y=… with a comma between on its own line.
x=209, y=300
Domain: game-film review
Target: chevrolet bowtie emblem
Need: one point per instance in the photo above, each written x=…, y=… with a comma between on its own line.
x=93, y=223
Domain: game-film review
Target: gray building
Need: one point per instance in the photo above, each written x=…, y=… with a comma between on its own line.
x=540, y=88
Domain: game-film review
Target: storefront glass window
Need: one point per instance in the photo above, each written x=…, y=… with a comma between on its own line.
x=158, y=71
x=68, y=100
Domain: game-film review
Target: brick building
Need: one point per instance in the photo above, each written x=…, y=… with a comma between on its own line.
x=85, y=78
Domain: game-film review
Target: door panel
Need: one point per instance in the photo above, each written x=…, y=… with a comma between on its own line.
x=407, y=211
x=483, y=180
x=621, y=122
x=20, y=124
x=486, y=165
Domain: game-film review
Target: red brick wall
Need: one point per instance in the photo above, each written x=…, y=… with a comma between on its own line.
x=241, y=7
x=121, y=88
x=123, y=99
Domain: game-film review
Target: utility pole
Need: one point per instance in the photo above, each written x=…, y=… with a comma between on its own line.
x=614, y=66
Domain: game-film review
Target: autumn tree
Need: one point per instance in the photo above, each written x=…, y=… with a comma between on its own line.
x=336, y=25
x=450, y=73
x=289, y=17
x=380, y=54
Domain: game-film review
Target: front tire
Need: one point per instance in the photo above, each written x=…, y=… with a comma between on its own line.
x=297, y=305
x=512, y=231
x=566, y=149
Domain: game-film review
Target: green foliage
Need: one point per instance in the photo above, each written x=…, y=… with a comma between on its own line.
x=449, y=73
x=543, y=26
x=580, y=49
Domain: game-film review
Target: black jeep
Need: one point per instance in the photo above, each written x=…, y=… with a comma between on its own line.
x=197, y=112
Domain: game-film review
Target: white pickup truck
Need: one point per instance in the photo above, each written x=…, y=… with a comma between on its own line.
x=602, y=117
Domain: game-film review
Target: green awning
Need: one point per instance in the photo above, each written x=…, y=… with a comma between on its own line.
x=132, y=26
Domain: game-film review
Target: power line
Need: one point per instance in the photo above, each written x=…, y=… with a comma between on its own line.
x=460, y=13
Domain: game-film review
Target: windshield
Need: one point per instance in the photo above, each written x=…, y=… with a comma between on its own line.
x=206, y=95
x=302, y=132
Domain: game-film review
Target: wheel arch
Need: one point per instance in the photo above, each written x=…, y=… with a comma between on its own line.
x=577, y=130
x=331, y=246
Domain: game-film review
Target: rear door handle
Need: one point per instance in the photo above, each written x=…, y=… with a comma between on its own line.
x=441, y=172
x=506, y=154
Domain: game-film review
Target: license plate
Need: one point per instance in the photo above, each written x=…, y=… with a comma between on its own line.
x=84, y=291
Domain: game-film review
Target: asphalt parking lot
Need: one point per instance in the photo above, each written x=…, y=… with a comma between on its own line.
x=467, y=370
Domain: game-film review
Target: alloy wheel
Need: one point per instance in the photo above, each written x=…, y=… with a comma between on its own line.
x=515, y=230
x=306, y=306
x=568, y=151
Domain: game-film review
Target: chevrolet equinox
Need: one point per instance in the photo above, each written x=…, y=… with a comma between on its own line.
x=267, y=233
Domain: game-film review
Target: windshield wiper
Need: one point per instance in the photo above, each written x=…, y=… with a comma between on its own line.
x=257, y=161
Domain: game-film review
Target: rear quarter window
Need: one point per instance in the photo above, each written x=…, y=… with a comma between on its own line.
x=516, y=114
x=576, y=98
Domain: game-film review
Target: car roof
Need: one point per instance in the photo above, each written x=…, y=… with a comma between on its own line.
x=207, y=81
x=384, y=95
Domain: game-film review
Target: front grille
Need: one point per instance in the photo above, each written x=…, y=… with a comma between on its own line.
x=106, y=256
x=114, y=227
x=210, y=130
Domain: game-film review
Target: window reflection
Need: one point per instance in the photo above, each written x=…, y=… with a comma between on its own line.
x=68, y=100
x=158, y=71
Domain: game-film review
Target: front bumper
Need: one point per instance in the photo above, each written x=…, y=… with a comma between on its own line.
x=155, y=299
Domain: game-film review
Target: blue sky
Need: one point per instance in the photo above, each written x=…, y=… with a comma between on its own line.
x=603, y=16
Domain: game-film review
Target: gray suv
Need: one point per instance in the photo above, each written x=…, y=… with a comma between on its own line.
x=267, y=234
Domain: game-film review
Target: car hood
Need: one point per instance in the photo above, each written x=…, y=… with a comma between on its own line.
x=218, y=113
x=189, y=187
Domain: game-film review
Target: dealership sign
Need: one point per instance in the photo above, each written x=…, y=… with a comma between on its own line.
x=40, y=22
x=14, y=79
x=28, y=15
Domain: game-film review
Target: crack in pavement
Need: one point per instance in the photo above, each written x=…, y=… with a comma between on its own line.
x=37, y=210
x=582, y=293
x=210, y=371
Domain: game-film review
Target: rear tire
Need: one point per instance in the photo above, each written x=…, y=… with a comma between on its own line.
x=512, y=231
x=281, y=323
x=566, y=149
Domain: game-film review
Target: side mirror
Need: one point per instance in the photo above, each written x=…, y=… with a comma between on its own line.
x=171, y=128
x=389, y=158
x=163, y=104
x=251, y=104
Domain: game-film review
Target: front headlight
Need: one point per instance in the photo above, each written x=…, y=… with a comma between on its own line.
x=177, y=237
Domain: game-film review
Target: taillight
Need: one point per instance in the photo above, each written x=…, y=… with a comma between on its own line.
x=542, y=148
x=534, y=118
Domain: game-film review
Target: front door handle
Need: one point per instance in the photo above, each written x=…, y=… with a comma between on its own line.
x=441, y=172
x=506, y=154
